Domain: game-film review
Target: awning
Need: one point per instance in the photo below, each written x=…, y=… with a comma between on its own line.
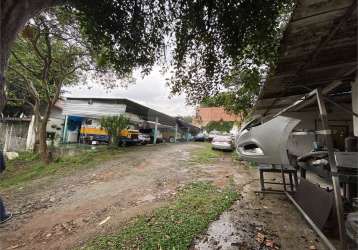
x=318, y=50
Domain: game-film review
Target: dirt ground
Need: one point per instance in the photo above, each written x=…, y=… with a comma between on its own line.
x=66, y=212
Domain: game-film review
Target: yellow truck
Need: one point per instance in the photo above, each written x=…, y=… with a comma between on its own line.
x=92, y=133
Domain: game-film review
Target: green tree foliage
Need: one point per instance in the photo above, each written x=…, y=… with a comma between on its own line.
x=216, y=40
x=124, y=34
x=240, y=94
x=207, y=42
x=114, y=125
x=222, y=126
x=47, y=55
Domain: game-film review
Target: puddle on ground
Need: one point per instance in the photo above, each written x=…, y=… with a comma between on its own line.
x=220, y=235
x=228, y=233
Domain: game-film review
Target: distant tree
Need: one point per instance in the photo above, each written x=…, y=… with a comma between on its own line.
x=188, y=119
x=240, y=93
x=114, y=125
x=222, y=126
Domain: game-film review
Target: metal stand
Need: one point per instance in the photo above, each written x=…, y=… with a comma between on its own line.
x=334, y=170
x=292, y=174
x=326, y=132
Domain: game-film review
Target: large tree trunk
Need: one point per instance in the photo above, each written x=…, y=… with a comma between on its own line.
x=13, y=16
x=42, y=135
x=37, y=122
x=43, y=149
x=3, y=65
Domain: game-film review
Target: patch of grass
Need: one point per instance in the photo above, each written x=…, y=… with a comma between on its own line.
x=28, y=166
x=235, y=157
x=205, y=155
x=27, y=156
x=174, y=226
x=252, y=164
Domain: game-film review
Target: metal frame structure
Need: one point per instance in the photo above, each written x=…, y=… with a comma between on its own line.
x=318, y=50
x=326, y=132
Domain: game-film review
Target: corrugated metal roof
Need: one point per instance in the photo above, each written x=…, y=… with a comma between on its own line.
x=319, y=47
x=143, y=112
x=92, y=109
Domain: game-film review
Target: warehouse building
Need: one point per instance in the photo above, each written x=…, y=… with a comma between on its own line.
x=86, y=113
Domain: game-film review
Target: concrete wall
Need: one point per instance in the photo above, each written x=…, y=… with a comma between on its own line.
x=13, y=135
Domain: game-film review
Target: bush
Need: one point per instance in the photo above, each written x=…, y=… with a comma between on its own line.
x=114, y=125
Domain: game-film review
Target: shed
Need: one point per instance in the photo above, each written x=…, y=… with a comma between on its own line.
x=318, y=61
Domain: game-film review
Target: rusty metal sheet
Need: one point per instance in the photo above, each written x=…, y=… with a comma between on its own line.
x=315, y=201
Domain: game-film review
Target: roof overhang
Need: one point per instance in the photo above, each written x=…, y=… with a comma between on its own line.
x=318, y=50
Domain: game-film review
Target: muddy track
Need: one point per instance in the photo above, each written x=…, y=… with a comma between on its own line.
x=66, y=212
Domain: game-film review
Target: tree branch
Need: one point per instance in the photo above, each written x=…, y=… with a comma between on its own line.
x=34, y=45
x=31, y=87
x=48, y=60
x=21, y=63
x=57, y=93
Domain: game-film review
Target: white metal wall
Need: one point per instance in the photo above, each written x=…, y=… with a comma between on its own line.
x=95, y=109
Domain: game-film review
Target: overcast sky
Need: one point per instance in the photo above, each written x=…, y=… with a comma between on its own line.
x=150, y=91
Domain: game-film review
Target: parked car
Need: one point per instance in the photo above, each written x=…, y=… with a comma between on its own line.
x=222, y=142
x=200, y=137
x=144, y=138
x=150, y=132
x=213, y=134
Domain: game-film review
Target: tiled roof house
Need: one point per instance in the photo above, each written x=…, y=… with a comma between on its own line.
x=204, y=115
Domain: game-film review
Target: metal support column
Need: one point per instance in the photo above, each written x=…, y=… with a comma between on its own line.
x=155, y=131
x=354, y=85
x=187, y=135
x=335, y=178
x=176, y=133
